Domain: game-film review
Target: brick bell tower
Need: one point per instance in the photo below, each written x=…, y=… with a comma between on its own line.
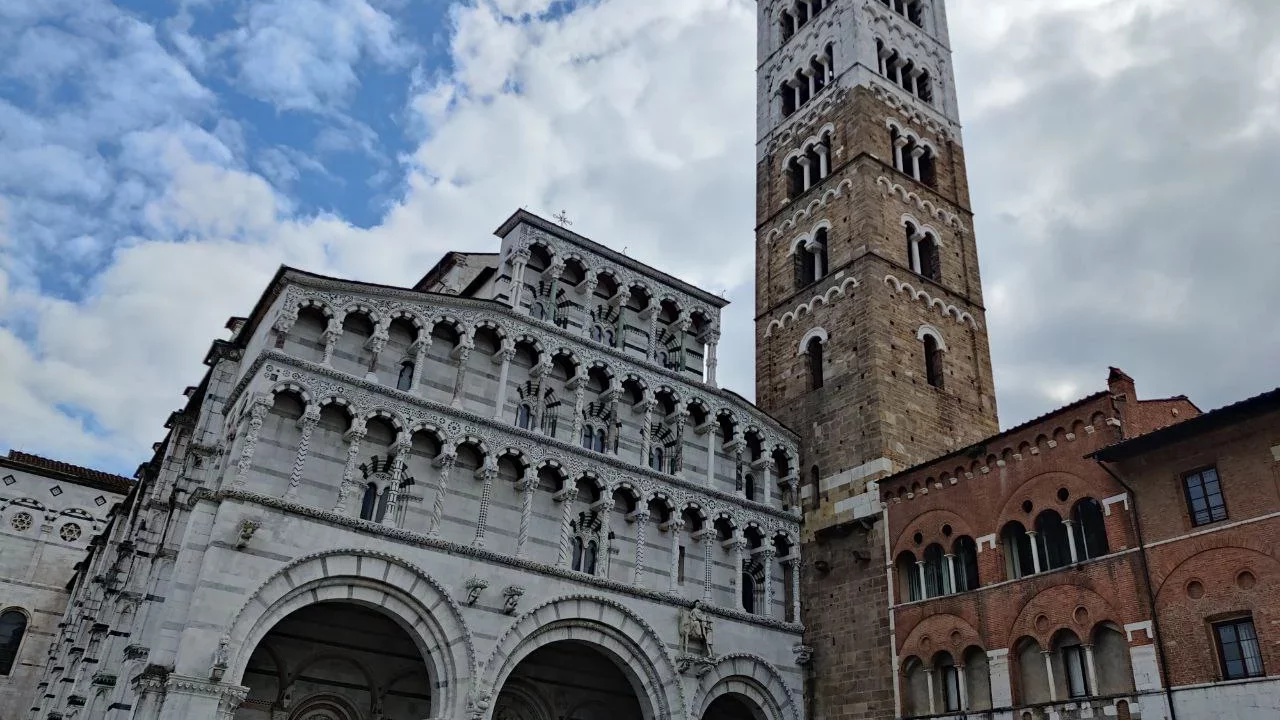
x=871, y=338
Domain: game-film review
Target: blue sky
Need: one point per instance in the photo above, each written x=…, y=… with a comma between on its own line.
x=158, y=161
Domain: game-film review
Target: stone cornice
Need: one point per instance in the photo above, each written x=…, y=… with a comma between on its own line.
x=423, y=540
x=517, y=438
x=582, y=346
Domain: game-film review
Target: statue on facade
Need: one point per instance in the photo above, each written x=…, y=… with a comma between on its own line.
x=221, y=658
x=696, y=625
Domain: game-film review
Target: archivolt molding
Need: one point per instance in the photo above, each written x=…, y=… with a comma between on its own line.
x=806, y=238
x=751, y=676
x=467, y=314
x=604, y=622
x=535, y=450
x=829, y=129
x=960, y=316
x=905, y=131
x=818, y=332
x=938, y=633
x=826, y=297
x=1203, y=547
x=809, y=209
x=888, y=187
x=401, y=588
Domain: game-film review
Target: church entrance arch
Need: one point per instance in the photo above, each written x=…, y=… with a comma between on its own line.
x=336, y=661
x=732, y=706
x=568, y=680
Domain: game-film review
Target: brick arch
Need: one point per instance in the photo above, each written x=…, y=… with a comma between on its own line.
x=930, y=524
x=1042, y=490
x=1058, y=604
x=1203, y=556
x=939, y=629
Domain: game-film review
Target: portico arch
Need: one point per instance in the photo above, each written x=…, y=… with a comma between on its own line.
x=373, y=580
x=605, y=627
x=743, y=681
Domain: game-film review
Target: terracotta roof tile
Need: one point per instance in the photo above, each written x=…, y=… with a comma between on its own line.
x=118, y=483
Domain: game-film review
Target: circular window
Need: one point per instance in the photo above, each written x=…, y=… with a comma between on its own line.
x=1042, y=623
x=1245, y=580
x=1026, y=506
x=21, y=521
x=1195, y=590
x=918, y=538
x=1081, y=615
x=1063, y=494
x=946, y=530
x=70, y=532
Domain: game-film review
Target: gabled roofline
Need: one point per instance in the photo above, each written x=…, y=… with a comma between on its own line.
x=524, y=216
x=1207, y=422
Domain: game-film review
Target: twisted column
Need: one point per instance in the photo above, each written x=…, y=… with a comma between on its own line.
x=446, y=462
x=353, y=437
x=308, y=421
x=646, y=433
x=579, y=394
x=606, y=544
x=641, y=519
x=488, y=473
x=397, y=474
x=565, y=497
x=258, y=410
x=419, y=350
x=682, y=418
x=527, y=484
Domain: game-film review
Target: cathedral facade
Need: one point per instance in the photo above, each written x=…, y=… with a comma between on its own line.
x=513, y=491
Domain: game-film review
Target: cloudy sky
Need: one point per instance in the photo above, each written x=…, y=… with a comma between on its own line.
x=159, y=160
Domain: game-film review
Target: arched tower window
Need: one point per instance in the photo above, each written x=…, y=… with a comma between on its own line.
x=598, y=446
x=405, y=380
x=749, y=486
x=933, y=360
x=814, y=350
x=929, y=263
x=656, y=457
x=588, y=436
x=748, y=592
x=13, y=626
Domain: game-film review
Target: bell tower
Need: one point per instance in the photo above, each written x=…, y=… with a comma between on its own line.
x=870, y=331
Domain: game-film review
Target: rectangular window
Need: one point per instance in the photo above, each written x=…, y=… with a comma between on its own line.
x=680, y=566
x=951, y=687
x=1238, y=648
x=1204, y=496
x=1077, y=679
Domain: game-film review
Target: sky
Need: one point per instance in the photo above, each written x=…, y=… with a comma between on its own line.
x=159, y=161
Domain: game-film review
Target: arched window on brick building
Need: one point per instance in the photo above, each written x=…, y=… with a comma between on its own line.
x=965, y=551
x=1090, y=530
x=1019, y=558
x=933, y=349
x=936, y=580
x=1054, y=544
x=13, y=626
x=910, y=588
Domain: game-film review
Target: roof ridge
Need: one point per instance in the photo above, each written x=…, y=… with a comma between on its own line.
x=39, y=461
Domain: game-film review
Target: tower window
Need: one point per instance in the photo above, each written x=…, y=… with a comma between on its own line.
x=369, y=503
x=933, y=361
x=814, y=350
x=787, y=23
x=524, y=416
x=923, y=255
x=656, y=455
x=405, y=380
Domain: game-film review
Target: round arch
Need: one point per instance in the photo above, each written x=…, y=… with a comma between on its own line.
x=420, y=605
x=608, y=627
x=750, y=677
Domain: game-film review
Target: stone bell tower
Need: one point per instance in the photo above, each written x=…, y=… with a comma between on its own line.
x=870, y=333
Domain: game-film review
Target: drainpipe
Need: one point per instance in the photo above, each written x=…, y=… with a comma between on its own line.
x=1151, y=598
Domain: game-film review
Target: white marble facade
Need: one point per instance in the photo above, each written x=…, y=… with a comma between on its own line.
x=513, y=492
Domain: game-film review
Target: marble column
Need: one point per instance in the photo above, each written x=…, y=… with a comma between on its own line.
x=419, y=349
x=793, y=565
x=308, y=423
x=353, y=436
x=713, y=340
x=767, y=554
x=332, y=332
x=258, y=409
x=397, y=476
x=708, y=539
x=713, y=436
x=445, y=462
x=528, y=484
x=462, y=353
x=738, y=544
x=566, y=498
x=1071, y=541
x=928, y=677
x=504, y=359
x=641, y=520
x=1093, y=670
x=579, y=394
x=1048, y=669
x=488, y=474
x=675, y=527
x=519, y=261
x=646, y=432
x=1035, y=551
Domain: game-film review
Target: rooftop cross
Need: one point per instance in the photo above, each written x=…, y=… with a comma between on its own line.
x=562, y=217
